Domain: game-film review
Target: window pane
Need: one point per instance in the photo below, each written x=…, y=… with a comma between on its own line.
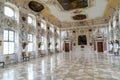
x=42, y=39
x=29, y=19
x=31, y=37
x=8, y=11
x=28, y=37
x=11, y=47
x=42, y=25
x=30, y=47
x=11, y=36
x=5, y=35
x=57, y=31
x=8, y=42
x=43, y=47
x=5, y=48
x=114, y=21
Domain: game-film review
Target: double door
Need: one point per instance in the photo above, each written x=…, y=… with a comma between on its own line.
x=67, y=47
x=100, y=46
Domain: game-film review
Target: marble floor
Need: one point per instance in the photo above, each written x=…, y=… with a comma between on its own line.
x=65, y=66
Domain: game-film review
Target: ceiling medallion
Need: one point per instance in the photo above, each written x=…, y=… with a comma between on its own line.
x=79, y=17
x=35, y=6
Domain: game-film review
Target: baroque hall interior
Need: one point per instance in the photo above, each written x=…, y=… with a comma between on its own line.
x=59, y=39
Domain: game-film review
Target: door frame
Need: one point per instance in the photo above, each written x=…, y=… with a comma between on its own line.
x=69, y=45
x=97, y=45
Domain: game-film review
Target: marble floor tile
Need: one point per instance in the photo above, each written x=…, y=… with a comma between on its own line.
x=65, y=66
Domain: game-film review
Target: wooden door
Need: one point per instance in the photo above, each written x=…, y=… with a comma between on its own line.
x=100, y=46
x=66, y=47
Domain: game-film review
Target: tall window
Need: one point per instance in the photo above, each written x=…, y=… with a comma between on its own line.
x=30, y=20
x=51, y=41
x=58, y=31
x=30, y=44
x=9, y=42
x=114, y=21
x=42, y=38
x=8, y=11
x=52, y=29
x=109, y=26
x=42, y=46
x=43, y=24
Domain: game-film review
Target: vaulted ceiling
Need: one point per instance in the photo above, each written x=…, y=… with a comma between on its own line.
x=70, y=13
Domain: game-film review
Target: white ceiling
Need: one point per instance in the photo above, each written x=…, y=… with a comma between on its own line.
x=94, y=12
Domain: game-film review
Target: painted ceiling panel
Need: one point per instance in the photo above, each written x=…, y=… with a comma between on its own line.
x=73, y=4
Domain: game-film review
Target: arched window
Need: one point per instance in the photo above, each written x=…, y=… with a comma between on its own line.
x=109, y=26
x=30, y=44
x=8, y=11
x=52, y=28
x=43, y=44
x=30, y=20
x=114, y=21
x=43, y=24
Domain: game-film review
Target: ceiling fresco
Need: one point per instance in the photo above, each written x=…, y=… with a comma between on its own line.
x=73, y=4
x=79, y=17
x=61, y=12
x=35, y=6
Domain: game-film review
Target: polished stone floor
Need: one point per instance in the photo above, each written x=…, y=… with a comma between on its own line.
x=65, y=66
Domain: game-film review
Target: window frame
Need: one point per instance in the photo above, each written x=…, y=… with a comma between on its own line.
x=43, y=44
x=12, y=9
x=114, y=21
x=30, y=41
x=43, y=25
x=8, y=41
x=30, y=22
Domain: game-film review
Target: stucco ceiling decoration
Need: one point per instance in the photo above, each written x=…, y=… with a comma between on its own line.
x=85, y=23
x=111, y=7
x=35, y=6
x=96, y=12
x=66, y=15
x=77, y=11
